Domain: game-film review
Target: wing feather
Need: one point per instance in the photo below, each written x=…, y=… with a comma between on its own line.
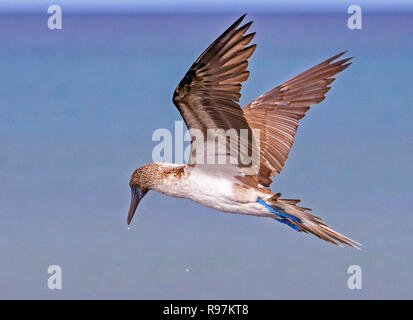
x=277, y=112
x=207, y=96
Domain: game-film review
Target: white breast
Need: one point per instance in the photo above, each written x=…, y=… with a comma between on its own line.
x=212, y=190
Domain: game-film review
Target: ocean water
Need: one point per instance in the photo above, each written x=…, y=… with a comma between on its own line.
x=78, y=107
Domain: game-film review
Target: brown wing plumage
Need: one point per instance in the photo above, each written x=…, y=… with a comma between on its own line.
x=277, y=112
x=207, y=97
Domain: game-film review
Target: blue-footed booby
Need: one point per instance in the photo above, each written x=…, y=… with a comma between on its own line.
x=207, y=99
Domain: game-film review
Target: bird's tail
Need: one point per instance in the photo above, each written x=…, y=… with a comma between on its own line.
x=287, y=211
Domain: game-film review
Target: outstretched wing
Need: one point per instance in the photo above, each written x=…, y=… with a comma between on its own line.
x=277, y=112
x=207, y=97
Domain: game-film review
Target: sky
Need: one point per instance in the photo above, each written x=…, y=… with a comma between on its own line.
x=168, y=6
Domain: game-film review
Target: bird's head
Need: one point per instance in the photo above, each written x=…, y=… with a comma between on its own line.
x=140, y=183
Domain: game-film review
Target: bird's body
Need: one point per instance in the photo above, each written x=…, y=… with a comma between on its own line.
x=207, y=98
x=216, y=191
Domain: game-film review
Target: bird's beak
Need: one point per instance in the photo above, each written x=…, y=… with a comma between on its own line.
x=137, y=196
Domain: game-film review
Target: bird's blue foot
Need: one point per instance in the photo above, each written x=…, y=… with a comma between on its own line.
x=283, y=215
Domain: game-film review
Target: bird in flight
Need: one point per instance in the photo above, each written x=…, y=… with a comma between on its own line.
x=207, y=99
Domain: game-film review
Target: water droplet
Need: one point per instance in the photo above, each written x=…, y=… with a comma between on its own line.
x=187, y=269
x=128, y=227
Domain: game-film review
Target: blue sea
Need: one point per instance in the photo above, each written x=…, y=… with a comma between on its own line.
x=78, y=107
